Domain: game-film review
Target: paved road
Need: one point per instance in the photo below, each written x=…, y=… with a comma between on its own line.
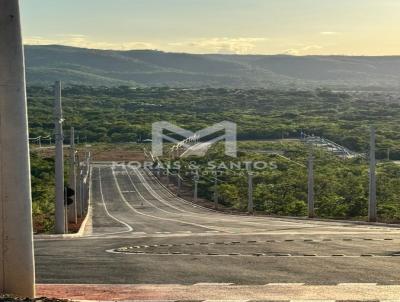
x=142, y=234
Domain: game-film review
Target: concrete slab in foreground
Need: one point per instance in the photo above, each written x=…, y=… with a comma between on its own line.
x=204, y=292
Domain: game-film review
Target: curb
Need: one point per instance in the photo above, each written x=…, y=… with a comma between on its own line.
x=81, y=231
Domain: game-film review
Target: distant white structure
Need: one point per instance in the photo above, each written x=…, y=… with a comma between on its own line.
x=329, y=145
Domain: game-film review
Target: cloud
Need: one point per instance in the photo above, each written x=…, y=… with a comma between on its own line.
x=329, y=33
x=302, y=50
x=77, y=40
x=240, y=45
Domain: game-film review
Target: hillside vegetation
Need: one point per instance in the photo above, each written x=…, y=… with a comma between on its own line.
x=148, y=68
x=122, y=114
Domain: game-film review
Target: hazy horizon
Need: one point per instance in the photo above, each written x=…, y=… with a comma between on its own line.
x=210, y=53
x=264, y=27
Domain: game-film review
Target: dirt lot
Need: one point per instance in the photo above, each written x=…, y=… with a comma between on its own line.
x=101, y=152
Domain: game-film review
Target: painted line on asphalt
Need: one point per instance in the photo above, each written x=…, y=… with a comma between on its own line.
x=130, y=229
x=128, y=251
x=249, y=242
x=152, y=192
x=144, y=199
x=292, y=220
x=190, y=213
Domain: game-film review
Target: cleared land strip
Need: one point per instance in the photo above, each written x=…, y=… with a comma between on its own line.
x=220, y=292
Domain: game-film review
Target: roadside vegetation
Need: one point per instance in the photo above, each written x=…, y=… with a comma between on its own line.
x=43, y=196
x=109, y=117
x=280, y=186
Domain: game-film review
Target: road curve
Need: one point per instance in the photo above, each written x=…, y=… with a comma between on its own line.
x=141, y=233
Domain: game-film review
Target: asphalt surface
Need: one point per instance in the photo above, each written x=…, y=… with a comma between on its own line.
x=141, y=233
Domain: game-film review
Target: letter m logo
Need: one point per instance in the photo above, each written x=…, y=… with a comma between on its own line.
x=229, y=137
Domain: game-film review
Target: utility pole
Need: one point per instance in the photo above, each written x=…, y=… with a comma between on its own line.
x=310, y=167
x=59, y=164
x=87, y=185
x=167, y=177
x=196, y=183
x=81, y=201
x=178, y=192
x=65, y=211
x=216, y=190
x=72, y=209
x=250, y=206
x=372, y=213
x=17, y=269
x=158, y=171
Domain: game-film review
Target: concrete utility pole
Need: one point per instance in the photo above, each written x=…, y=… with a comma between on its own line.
x=372, y=213
x=65, y=212
x=86, y=183
x=310, y=166
x=17, y=270
x=250, y=206
x=59, y=169
x=167, y=177
x=196, y=184
x=78, y=183
x=216, y=190
x=73, y=208
x=178, y=192
x=81, y=201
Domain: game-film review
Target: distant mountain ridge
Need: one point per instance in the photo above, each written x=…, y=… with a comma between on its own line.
x=45, y=64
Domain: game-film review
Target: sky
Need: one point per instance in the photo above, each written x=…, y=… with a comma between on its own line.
x=295, y=27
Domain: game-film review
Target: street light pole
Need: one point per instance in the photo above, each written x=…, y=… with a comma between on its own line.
x=178, y=192
x=196, y=184
x=372, y=213
x=167, y=178
x=59, y=164
x=216, y=190
x=17, y=270
x=72, y=209
x=310, y=167
x=250, y=206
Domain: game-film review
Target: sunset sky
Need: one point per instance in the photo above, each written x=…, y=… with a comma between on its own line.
x=297, y=27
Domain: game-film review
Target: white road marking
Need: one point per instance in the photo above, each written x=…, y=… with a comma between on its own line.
x=357, y=284
x=300, y=223
x=284, y=284
x=152, y=192
x=147, y=215
x=212, y=284
x=130, y=229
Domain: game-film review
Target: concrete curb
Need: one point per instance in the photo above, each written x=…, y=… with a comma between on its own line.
x=81, y=231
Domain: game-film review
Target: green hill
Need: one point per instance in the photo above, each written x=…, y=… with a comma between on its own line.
x=45, y=64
